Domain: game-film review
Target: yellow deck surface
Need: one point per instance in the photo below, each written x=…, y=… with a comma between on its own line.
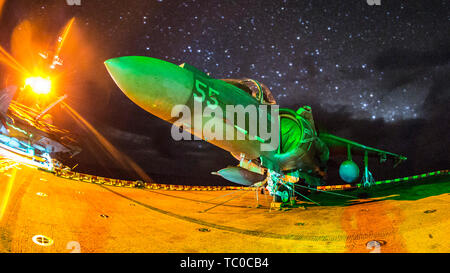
x=134, y=220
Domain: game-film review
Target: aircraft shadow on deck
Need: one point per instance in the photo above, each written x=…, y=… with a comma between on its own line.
x=403, y=191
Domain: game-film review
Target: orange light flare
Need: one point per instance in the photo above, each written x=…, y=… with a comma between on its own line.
x=107, y=146
x=7, y=193
x=63, y=37
x=24, y=49
x=39, y=85
x=10, y=61
x=2, y=2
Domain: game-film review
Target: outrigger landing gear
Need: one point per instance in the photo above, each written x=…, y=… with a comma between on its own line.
x=367, y=178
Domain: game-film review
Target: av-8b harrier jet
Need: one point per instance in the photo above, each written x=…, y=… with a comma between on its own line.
x=294, y=152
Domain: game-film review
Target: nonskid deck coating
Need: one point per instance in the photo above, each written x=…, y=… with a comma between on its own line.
x=87, y=217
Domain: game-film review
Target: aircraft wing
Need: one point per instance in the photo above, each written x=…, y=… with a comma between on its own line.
x=340, y=145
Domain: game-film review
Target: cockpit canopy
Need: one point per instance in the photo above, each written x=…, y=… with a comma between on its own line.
x=256, y=89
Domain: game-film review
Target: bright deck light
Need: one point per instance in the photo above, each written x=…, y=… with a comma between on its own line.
x=39, y=85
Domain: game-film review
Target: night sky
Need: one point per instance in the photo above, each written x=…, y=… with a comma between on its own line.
x=379, y=75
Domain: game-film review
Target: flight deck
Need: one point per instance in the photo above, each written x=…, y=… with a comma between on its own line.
x=41, y=212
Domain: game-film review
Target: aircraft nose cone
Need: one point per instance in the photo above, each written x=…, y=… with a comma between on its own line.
x=155, y=85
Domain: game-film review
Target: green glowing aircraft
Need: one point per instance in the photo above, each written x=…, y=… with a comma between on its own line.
x=282, y=147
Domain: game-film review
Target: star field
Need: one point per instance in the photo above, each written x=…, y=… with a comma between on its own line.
x=305, y=51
